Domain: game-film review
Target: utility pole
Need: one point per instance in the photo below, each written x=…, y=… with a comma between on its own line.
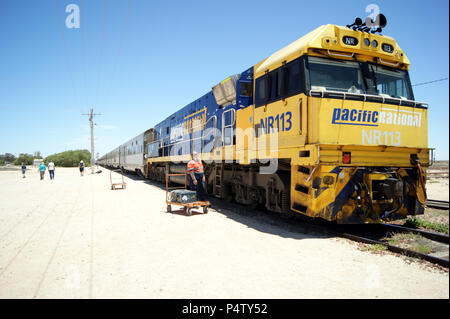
x=91, y=121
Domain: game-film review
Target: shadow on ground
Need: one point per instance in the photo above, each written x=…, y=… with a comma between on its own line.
x=298, y=227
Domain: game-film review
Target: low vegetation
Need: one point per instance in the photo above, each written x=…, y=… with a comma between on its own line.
x=417, y=222
x=423, y=249
x=410, y=241
x=377, y=248
x=69, y=158
x=7, y=158
x=27, y=159
x=24, y=158
x=396, y=239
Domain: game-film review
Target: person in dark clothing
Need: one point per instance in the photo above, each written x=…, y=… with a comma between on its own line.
x=81, y=166
x=197, y=176
x=24, y=168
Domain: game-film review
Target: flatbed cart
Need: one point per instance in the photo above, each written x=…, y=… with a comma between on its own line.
x=187, y=207
x=117, y=182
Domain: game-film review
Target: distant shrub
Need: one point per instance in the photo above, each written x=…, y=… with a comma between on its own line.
x=27, y=159
x=69, y=158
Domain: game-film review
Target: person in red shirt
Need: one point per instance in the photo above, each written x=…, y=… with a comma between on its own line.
x=197, y=175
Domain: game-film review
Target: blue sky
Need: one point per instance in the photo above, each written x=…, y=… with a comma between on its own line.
x=172, y=52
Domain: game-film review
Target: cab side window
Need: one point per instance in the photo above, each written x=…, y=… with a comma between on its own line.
x=279, y=83
x=260, y=89
x=245, y=88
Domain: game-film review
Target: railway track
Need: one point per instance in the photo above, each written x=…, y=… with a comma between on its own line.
x=365, y=233
x=439, y=204
x=372, y=234
x=408, y=252
x=442, y=238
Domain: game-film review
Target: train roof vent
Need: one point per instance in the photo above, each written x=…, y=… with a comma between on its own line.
x=225, y=91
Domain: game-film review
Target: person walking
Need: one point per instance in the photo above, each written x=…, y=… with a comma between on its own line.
x=42, y=170
x=51, y=169
x=197, y=176
x=81, y=166
x=24, y=168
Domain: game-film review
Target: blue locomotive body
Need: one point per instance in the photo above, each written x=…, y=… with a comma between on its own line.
x=193, y=127
x=200, y=126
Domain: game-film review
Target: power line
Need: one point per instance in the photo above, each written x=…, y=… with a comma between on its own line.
x=120, y=45
x=101, y=51
x=65, y=51
x=83, y=51
x=423, y=83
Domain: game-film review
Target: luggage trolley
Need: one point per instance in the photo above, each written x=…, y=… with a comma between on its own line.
x=117, y=181
x=187, y=207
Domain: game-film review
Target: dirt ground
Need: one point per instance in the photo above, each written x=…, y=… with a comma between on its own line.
x=437, y=188
x=73, y=237
x=437, y=181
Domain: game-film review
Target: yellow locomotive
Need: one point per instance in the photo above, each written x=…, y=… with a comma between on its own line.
x=326, y=127
x=358, y=138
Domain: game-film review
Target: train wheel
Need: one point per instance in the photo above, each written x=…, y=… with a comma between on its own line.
x=205, y=209
x=189, y=211
x=169, y=209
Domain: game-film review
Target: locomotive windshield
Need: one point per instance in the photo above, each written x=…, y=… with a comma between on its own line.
x=394, y=83
x=335, y=75
x=358, y=77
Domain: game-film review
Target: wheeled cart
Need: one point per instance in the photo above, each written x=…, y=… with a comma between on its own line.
x=117, y=182
x=187, y=207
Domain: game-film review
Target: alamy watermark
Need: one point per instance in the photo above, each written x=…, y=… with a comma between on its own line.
x=250, y=144
x=73, y=19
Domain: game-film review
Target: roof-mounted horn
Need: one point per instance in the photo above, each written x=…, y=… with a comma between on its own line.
x=354, y=25
x=377, y=25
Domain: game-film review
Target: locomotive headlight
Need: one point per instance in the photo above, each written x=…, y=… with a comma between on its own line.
x=374, y=43
x=366, y=42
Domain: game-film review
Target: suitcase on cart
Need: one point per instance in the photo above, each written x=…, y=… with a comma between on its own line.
x=182, y=196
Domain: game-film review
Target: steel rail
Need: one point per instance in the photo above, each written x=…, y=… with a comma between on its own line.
x=442, y=238
x=439, y=204
x=316, y=226
x=399, y=250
